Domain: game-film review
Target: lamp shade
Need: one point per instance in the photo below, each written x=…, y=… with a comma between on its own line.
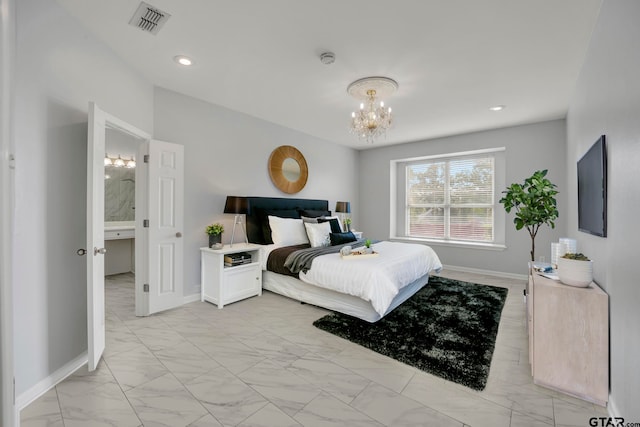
x=343, y=207
x=236, y=205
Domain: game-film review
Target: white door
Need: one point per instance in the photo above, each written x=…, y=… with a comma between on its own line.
x=165, y=214
x=99, y=121
x=95, y=234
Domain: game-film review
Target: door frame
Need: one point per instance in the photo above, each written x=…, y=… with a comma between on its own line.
x=9, y=416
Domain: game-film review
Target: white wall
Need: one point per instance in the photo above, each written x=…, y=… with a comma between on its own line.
x=528, y=148
x=60, y=67
x=226, y=153
x=607, y=101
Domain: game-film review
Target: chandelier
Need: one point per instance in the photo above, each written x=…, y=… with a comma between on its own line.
x=373, y=119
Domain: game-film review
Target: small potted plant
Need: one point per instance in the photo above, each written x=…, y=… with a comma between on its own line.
x=347, y=224
x=575, y=270
x=215, y=235
x=367, y=247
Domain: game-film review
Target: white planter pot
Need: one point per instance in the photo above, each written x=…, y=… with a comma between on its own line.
x=575, y=273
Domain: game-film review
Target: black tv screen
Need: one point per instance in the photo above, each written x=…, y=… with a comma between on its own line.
x=592, y=190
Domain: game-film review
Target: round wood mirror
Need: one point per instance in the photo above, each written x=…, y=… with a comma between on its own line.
x=288, y=169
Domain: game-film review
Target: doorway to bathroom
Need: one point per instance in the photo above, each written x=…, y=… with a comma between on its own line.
x=119, y=217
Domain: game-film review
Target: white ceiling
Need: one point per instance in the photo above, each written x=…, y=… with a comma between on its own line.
x=451, y=58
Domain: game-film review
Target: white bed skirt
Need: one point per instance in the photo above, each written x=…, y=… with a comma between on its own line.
x=332, y=300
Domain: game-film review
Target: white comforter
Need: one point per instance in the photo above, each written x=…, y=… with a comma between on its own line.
x=376, y=279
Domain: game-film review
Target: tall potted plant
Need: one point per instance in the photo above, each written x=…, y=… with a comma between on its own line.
x=534, y=204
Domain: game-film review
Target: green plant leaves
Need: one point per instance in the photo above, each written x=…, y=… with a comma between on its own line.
x=534, y=203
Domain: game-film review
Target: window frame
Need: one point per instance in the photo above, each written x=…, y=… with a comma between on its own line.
x=399, y=204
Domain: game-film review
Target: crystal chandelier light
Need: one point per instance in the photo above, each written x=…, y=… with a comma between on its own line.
x=373, y=119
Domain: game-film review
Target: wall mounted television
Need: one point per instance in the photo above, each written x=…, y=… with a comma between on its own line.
x=592, y=190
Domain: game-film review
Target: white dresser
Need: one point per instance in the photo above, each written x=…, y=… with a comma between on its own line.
x=569, y=338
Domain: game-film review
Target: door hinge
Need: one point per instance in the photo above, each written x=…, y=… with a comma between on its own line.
x=145, y=223
x=145, y=287
x=145, y=158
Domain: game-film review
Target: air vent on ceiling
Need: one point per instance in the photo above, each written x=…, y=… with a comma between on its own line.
x=149, y=18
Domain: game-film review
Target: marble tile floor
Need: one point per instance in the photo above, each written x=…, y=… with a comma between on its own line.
x=261, y=362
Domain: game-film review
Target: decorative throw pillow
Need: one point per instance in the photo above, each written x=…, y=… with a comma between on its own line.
x=311, y=220
x=287, y=231
x=341, y=238
x=318, y=233
x=334, y=221
x=263, y=216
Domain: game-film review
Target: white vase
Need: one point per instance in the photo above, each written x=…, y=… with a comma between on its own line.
x=575, y=273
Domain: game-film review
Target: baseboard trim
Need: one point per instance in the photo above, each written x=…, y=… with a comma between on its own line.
x=190, y=298
x=25, y=399
x=612, y=408
x=487, y=272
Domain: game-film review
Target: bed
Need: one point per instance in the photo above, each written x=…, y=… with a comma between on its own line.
x=365, y=288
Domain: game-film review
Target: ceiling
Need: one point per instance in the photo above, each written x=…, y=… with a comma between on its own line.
x=452, y=59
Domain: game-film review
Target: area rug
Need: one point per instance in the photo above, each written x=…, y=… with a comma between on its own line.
x=448, y=329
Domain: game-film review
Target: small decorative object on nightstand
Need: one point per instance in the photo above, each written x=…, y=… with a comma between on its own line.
x=230, y=274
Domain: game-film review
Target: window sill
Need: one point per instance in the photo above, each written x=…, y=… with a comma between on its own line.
x=467, y=245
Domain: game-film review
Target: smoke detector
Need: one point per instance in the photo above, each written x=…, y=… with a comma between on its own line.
x=149, y=18
x=327, y=58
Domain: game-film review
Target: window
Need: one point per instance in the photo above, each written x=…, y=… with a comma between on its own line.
x=452, y=198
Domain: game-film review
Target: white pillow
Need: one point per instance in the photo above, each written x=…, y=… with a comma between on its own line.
x=318, y=233
x=287, y=231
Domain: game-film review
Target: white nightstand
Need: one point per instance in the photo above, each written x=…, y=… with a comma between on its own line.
x=358, y=234
x=226, y=284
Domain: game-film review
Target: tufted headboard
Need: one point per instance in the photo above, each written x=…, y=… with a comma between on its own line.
x=254, y=219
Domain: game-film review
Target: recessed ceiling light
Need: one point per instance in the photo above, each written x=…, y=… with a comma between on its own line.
x=183, y=60
x=497, y=108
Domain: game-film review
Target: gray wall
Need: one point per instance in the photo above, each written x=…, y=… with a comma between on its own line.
x=607, y=101
x=226, y=153
x=528, y=148
x=59, y=69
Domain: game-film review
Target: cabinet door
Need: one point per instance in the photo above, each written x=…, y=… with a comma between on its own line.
x=241, y=282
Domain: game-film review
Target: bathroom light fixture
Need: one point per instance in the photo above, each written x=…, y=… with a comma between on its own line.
x=373, y=119
x=119, y=162
x=183, y=60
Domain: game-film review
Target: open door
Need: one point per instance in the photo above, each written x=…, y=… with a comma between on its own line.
x=165, y=163
x=95, y=234
x=99, y=121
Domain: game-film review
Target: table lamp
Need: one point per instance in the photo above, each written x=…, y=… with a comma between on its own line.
x=238, y=206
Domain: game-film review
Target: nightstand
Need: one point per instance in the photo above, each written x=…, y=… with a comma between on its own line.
x=223, y=283
x=358, y=234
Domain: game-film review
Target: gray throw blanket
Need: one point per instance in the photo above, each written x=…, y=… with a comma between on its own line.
x=301, y=260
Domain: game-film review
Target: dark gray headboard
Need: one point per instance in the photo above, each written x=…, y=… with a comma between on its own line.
x=254, y=204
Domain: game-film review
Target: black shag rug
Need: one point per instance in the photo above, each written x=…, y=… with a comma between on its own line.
x=448, y=329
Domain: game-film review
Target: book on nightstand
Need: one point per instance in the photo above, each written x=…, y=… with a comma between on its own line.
x=238, y=258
